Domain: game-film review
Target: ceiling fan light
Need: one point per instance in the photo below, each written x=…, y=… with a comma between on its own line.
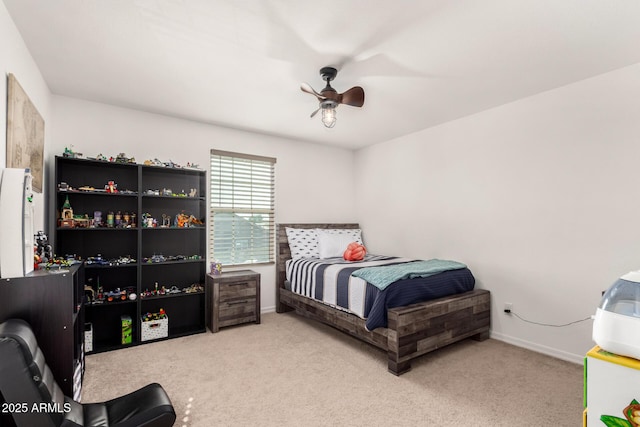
x=329, y=116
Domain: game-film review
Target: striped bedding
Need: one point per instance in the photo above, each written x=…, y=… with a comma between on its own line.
x=330, y=281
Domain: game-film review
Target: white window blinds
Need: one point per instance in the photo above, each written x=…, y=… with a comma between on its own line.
x=242, y=208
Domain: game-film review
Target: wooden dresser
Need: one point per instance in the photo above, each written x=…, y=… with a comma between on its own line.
x=234, y=298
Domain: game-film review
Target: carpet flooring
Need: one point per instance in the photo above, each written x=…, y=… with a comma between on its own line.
x=290, y=371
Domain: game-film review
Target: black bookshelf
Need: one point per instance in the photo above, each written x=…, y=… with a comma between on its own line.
x=125, y=251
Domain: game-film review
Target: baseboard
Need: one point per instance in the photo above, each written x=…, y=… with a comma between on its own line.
x=549, y=351
x=270, y=309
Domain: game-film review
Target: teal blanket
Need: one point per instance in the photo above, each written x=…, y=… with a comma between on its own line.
x=383, y=276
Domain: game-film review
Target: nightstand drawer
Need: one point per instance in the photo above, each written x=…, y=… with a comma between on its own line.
x=235, y=290
x=237, y=312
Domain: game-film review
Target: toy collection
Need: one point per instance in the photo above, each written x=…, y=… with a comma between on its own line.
x=148, y=317
x=123, y=158
x=164, y=290
x=180, y=220
x=156, y=258
x=154, y=325
x=117, y=219
x=44, y=258
x=95, y=293
x=167, y=192
x=98, y=205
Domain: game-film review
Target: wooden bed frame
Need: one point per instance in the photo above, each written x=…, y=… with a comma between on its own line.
x=412, y=330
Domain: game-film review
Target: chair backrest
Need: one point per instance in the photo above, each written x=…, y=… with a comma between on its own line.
x=26, y=382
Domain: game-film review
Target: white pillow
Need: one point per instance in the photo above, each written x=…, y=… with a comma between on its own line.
x=334, y=241
x=303, y=242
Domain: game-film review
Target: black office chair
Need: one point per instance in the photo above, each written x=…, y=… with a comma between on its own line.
x=26, y=380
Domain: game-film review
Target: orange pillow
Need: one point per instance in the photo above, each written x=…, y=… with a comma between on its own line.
x=354, y=252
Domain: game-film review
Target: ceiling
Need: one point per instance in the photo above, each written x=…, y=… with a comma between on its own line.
x=240, y=63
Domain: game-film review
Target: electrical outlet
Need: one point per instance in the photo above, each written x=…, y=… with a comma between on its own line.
x=508, y=307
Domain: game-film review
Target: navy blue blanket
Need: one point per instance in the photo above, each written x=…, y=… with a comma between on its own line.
x=411, y=291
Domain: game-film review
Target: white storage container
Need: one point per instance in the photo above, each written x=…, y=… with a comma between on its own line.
x=154, y=329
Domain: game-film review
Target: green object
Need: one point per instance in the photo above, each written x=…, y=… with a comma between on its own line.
x=127, y=329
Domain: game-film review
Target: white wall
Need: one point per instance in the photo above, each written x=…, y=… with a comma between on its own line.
x=16, y=59
x=313, y=182
x=540, y=197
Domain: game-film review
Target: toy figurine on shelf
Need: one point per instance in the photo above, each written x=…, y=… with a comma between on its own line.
x=89, y=292
x=81, y=221
x=100, y=294
x=66, y=214
x=196, y=287
x=68, y=152
x=184, y=220
x=148, y=221
x=122, y=158
x=116, y=295
x=43, y=251
x=181, y=220
x=110, y=219
x=171, y=164
x=154, y=162
x=111, y=187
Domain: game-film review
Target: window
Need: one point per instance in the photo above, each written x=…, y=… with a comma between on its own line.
x=242, y=208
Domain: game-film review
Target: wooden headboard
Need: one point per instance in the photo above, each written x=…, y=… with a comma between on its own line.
x=283, y=253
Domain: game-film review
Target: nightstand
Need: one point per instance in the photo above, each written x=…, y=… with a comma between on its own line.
x=234, y=298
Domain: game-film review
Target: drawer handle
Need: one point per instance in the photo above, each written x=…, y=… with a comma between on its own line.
x=238, y=283
x=237, y=302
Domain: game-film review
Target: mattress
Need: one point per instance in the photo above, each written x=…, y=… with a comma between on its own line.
x=331, y=282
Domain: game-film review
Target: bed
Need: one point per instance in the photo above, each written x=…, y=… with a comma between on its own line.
x=411, y=330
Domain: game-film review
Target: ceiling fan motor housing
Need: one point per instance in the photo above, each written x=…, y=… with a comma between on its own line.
x=328, y=73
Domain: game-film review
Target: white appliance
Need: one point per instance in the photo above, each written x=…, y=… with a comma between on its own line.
x=616, y=326
x=16, y=223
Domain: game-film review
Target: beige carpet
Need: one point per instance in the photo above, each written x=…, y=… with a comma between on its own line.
x=293, y=371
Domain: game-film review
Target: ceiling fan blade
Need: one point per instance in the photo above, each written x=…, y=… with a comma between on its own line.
x=314, y=113
x=306, y=87
x=353, y=97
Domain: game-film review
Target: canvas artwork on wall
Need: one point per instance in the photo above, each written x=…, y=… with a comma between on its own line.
x=25, y=133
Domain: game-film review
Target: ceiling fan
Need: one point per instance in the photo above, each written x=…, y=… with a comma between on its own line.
x=329, y=98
